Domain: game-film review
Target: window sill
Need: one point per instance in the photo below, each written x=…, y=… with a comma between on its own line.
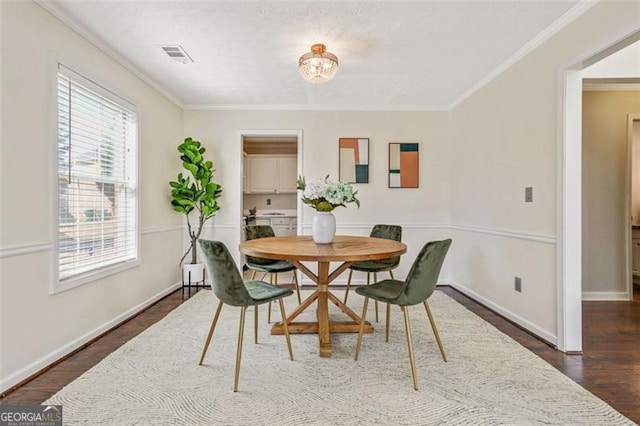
x=61, y=286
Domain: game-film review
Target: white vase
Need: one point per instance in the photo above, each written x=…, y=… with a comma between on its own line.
x=323, y=227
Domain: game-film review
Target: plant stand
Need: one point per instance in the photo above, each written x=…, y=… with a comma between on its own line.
x=193, y=279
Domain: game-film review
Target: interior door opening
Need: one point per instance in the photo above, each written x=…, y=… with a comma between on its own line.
x=271, y=163
x=569, y=258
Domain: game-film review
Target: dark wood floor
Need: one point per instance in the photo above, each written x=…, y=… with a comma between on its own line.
x=609, y=367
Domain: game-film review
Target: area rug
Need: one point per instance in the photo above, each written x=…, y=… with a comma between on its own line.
x=489, y=379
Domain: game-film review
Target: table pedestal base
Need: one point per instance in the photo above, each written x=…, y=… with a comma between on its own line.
x=323, y=327
x=312, y=327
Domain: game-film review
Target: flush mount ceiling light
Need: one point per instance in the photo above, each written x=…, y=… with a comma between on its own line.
x=318, y=66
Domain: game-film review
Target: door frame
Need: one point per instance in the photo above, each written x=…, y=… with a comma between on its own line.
x=569, y=198
x=628, y=231
x=241, y=134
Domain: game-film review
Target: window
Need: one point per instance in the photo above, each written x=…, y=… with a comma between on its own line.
x=97, y=180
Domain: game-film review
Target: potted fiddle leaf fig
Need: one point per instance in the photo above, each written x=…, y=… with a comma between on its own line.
x=194, y=195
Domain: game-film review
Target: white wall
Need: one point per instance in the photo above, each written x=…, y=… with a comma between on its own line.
x=37, y=328
x=278, y=201
x=423, y=212
x=625, y=63
x=604, y=182
x=505, y=138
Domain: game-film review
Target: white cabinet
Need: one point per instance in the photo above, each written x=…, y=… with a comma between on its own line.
x=271, y=174
x=284, y=226
x=635, y=252
x=635, y=257
x=281, y=226
x=246, y=173
x=263, y=174
x=288, y=174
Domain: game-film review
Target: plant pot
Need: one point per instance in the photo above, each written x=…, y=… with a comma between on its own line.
x=192, y=273
x=323, y=227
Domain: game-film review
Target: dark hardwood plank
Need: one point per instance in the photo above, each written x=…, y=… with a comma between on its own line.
x=609, y=366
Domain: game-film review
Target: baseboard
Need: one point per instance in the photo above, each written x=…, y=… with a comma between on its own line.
x=33, y=369
x=530, y=327
x=605, y=296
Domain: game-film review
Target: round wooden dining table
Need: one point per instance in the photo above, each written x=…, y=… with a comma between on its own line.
x=345, y=249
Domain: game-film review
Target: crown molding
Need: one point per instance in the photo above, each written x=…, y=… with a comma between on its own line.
x=546, y=34
x=56, y=11
x=307, y=107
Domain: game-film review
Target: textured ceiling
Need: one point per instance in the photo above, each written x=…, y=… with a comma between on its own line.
x=393, y=55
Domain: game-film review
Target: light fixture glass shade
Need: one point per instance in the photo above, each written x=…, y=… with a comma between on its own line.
x=318, y=66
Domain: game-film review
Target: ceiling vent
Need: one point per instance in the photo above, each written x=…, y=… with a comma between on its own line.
x=177, y=53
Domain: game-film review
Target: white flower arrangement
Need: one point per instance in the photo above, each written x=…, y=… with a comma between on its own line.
x=325, y=195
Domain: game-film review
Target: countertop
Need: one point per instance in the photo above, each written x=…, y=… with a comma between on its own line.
x=267, y=214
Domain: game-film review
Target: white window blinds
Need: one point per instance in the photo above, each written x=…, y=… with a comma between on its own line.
x=97, y=178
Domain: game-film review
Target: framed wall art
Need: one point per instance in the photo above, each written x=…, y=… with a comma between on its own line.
x=354, y=160
x=403, y=165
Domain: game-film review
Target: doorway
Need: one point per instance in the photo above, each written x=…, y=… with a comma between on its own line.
x=569, y=254
x=271, y=161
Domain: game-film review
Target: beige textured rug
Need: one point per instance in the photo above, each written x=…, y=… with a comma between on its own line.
x=489, y=379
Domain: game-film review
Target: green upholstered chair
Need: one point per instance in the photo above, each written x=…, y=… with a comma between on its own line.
x=417, y=288
x=270, y=266
x=230, y=289
x=390, y=232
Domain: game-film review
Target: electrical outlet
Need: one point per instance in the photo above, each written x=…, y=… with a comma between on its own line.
x=268, y=201
x=518, y=284
x=528, y=194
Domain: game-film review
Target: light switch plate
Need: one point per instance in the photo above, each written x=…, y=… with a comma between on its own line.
x=528, y=194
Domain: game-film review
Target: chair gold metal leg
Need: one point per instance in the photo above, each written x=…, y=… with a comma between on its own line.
x=275, y=282
x=375, y=280
x=389, y=309
x=286, y=328
x=412, y=360
x=255, y=325
x=346, y=293
x=253, y=275
x=388, y=317
x=213, y=327
x=295, y=280
x=269, y=306
x=243, y=311
x=435, y=330
x=364, y=317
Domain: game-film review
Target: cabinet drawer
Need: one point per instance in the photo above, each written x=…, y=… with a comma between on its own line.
x=280, y=221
